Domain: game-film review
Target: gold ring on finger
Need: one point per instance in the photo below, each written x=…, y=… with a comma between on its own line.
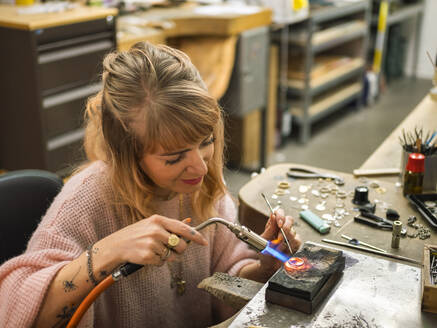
x=173, y=240
x=166, y=255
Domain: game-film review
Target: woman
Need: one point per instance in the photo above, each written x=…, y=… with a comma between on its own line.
x=155, y=140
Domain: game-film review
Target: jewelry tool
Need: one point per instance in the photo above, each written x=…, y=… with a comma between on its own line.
x=282, y=230
x=394, y=256
x=355, y=241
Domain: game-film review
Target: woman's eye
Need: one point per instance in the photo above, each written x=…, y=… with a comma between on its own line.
x=208, y=142
x=174, y=161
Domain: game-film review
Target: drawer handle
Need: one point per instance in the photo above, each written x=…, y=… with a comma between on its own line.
x=65, y=139
x=71, y=95
x=74, y=52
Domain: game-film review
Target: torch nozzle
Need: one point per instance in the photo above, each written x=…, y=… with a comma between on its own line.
x=243, y=233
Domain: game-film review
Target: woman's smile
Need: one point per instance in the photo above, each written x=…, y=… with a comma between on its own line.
x=193, y=181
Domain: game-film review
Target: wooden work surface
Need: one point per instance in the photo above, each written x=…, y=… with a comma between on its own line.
x=253, y=210
x=388, y=154
x=10, y=17
x=193, y=19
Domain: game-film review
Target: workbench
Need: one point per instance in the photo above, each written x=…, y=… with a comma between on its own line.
x=375, y=291
x=253, y=211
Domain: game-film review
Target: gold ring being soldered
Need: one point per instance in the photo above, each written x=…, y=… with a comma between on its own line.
x=173, y=240
x=166, y=255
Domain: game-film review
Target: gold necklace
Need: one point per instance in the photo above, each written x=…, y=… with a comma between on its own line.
x=176, y=269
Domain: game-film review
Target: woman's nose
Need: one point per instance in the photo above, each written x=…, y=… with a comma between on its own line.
x=198, y=163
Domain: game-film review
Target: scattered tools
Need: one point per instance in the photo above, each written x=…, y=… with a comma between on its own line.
x=357, y=242
x=374, y=220
x=394, y=256
x=300, y=173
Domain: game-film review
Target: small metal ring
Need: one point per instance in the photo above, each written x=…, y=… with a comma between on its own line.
x=166, y=255
x=173, y=240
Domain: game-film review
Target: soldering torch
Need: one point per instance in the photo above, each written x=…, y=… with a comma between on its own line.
x=243, y=233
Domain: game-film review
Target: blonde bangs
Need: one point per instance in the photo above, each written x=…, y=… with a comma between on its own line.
x=180, y=124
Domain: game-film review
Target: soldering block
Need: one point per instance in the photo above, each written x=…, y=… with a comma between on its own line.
x=306, y=288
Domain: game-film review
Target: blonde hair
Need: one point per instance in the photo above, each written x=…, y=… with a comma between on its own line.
x=160, y=88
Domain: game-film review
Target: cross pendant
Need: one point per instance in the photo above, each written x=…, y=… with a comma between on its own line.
x=180, y=287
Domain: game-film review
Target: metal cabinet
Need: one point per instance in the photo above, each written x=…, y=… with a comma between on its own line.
x=46, y=77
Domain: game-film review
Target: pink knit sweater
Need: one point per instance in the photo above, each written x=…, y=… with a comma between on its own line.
x=82, y=214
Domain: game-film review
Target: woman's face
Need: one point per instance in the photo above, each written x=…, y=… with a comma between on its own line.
x=182, y=170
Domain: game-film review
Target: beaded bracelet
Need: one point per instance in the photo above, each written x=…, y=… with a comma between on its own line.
x=89, y=255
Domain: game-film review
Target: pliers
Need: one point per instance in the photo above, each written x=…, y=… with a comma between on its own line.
x=374, y=221
x=300, y=173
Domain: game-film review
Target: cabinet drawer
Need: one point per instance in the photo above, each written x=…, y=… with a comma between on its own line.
x=64, y=112
x=69, y=67
x=64, y=153
x=65, y=34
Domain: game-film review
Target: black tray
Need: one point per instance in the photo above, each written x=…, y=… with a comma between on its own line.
x=419, y=202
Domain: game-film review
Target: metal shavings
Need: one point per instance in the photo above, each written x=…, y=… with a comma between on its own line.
x=341, y=194
x=304, y=207
x=327, y=216
x=339, y=205
x=315, y=192
x=302, y=200
x=363, y=180
x=303, y=189
x=430, y=204
x=275, y=196
x=398, y=184
x=284, y=185
x=280, y=192
x=279, y=202
x=293, y=199
x=325, y=190
x=340, y=211
x=336, y=223
x=422, y=232
x=334, y=190
x=381, y=190
x=321, y=206
x=324, y=196
x=374, y=184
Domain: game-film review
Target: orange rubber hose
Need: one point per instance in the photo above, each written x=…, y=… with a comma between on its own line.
x=88, y=300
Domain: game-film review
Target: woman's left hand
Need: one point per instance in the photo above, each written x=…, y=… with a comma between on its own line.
x=272, y=232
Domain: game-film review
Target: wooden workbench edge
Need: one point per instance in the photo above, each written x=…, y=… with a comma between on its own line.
x=10, y=18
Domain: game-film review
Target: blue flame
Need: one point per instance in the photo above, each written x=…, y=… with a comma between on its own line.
x=271, y=250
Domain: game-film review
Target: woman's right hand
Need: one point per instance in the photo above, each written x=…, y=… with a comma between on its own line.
x=146, y=241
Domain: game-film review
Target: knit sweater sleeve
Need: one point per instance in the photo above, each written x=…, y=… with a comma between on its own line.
x=230, y=254
x=62, y=236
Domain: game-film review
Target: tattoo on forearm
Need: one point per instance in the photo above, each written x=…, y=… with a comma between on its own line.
x=69, y=284
x=65, y=315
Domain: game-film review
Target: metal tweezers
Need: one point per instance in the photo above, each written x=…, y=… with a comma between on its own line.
x=300, y=173
x=374, y=220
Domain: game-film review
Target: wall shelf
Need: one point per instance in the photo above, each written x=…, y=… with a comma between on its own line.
x=328, y=103
x=314, y=87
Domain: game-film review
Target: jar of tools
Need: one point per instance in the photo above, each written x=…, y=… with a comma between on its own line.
x=413, y=178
